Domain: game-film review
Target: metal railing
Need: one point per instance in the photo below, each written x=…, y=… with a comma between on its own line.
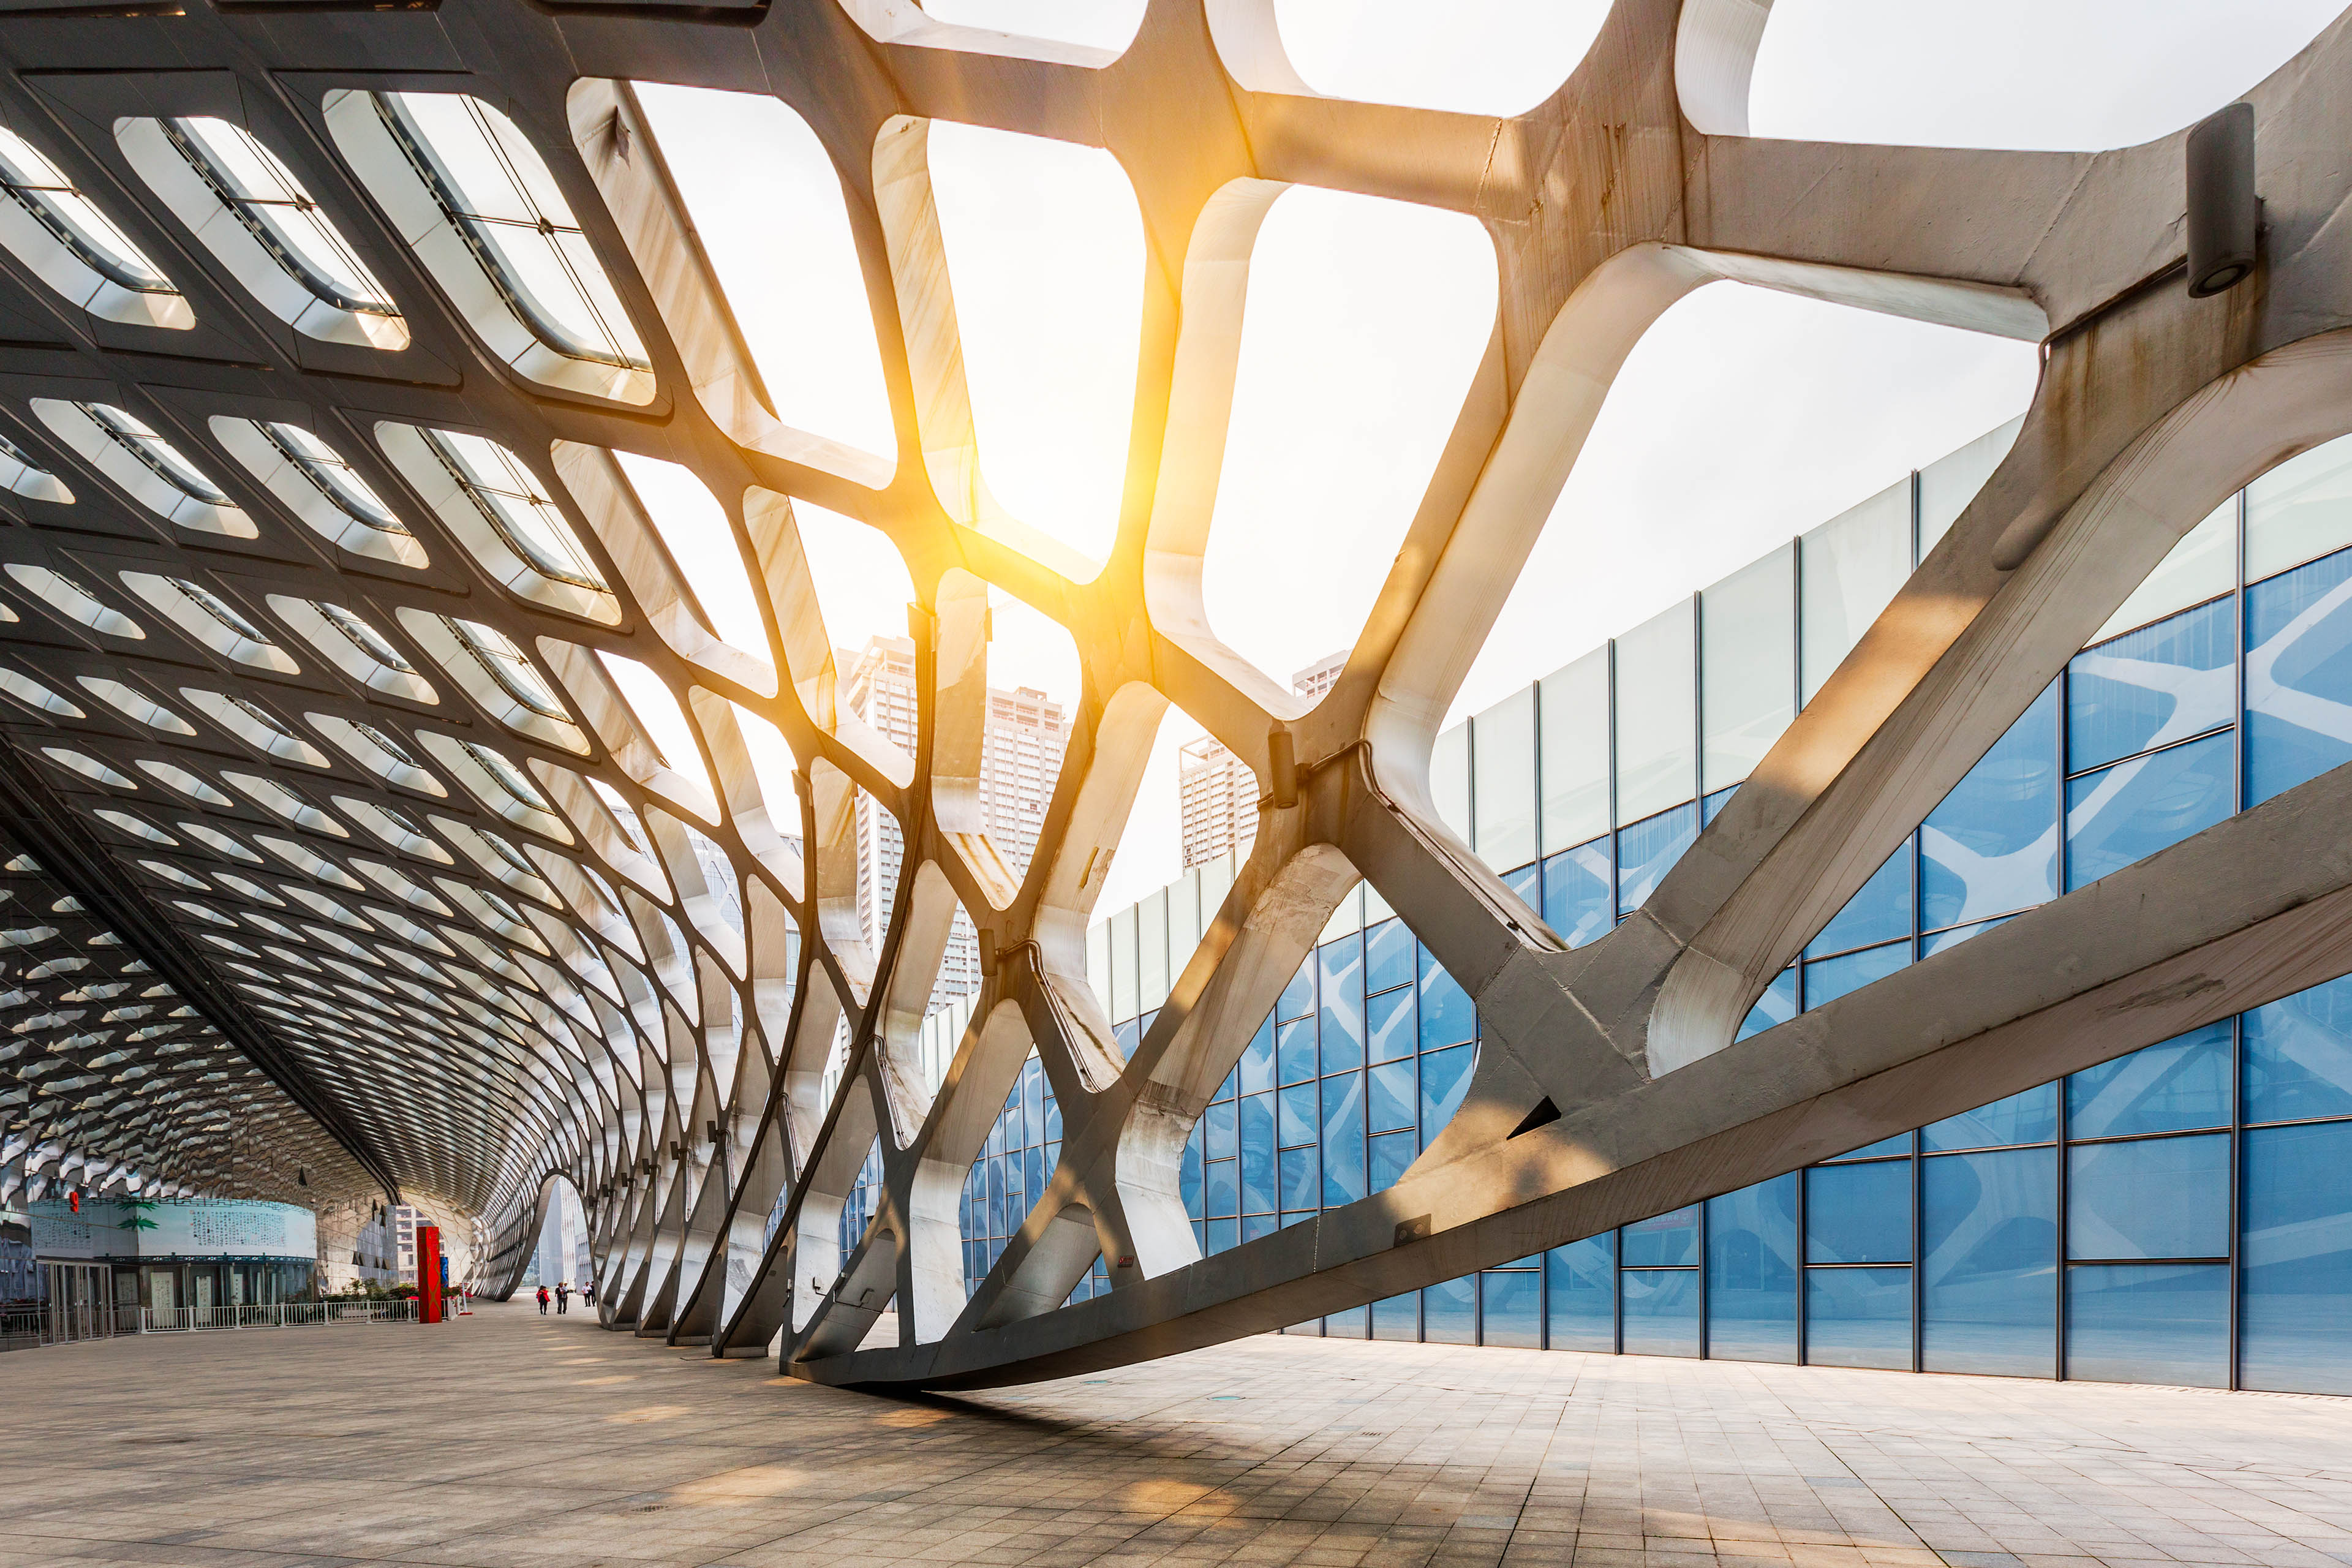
x=22, y=1328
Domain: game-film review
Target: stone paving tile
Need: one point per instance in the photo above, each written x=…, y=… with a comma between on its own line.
x=506, y=1440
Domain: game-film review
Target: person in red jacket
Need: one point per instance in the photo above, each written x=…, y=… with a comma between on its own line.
x=542, y=1301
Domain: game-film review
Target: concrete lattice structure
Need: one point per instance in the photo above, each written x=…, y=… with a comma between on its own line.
x=349, y=498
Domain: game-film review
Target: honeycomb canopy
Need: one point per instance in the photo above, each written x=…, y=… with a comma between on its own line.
x=624, y=598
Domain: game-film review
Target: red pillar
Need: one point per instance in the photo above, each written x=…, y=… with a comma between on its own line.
x=428, y=1273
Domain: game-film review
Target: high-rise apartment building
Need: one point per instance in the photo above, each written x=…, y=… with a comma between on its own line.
x=1027, y=732
x=1218, y=795
x=1216, y=791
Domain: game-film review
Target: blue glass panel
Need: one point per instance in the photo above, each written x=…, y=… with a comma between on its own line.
x=1938, y=942
x=1579, y=901
x=1827, y=979
x=1392, y=1096
x=1711, y=806
x=1858, y=1213
x=2298, y=1055
x=1188, y=1181
x=1302, y=1215
x=1257, y=1225
x=2298, y=675
x=1397, y=1317
x=1511, y=1308
x=1526, y=882
x=1257, y=1070
x=1661, y=1310
x=2132, y=810
x=2149, y=688
x=1581, y=1294
x=1223, y=1121
x=1898, y=1144
x=1666, y=1240
x=2160, y=1197
x=2182, y=1083
x=1751, y=1273
x=1447, y=1013
x=1391, y=1152
x=1220, y=1235
x=1355, y=1324
x=1230, y=1087
x=1258, y=1155
x=1858, y=1317
x=1880, y=910
x=1127, y=1036
x=1389, y=1028
x=2164, y=1322
x=1222, y=1190
x=1388, y=955
x=1988, y=1238
x=1343, y=1139
x=1342, y=1014
x=1449, y=1313
x=1294, y=1051
x=1444, y=1079
x=1298, y=998
x=2028, y=1118
x=1032, y=1097
x=1992, y=846
x=1298, y=1115
x=2297, y=1261
x=1777, y=1005
x=1302, y=1188
x=1648, y=849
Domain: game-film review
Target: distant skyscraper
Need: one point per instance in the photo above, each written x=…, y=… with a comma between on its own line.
x=1216, y=791
x=1219, y=796
x=1317, y=677
x=1026, y=734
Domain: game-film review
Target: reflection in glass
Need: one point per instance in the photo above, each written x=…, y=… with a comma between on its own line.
x=2166, y=1323
x=2132, y=810
x=2153, y=1198
x=2298, y=1055
x=1991, y=846
x=2297, y=1260
x=1858, y=1317
x=1449, y=1313
x=2298, y=675
x=2154, y=686
x=1581, y=1294
x=1990, y=1244
x=2169, y=1087
x=1828, y=979
x=1751, y=1258
x=2031, y=1117
x=1661, y=1310
x=1647, y=850
x=1579, y=900
x=1858, y=1213
x=1666, y=1240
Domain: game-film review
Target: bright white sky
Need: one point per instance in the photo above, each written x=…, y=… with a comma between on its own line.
x=1741, y=418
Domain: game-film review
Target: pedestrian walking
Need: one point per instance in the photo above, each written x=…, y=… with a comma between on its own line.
x=562, y=1298
x=542, y=1301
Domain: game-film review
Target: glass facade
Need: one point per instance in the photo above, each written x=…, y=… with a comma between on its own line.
x=2148, y=737
x=2177, y=1215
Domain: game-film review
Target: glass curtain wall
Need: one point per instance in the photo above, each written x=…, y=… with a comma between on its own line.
x=2177, y=1216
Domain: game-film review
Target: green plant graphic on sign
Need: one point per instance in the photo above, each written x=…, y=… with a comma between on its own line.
x=137, y=1218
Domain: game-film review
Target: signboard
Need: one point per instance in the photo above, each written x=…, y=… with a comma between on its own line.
x=174, y=1228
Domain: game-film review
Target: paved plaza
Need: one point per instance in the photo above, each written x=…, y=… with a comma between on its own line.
x=505, y=1439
